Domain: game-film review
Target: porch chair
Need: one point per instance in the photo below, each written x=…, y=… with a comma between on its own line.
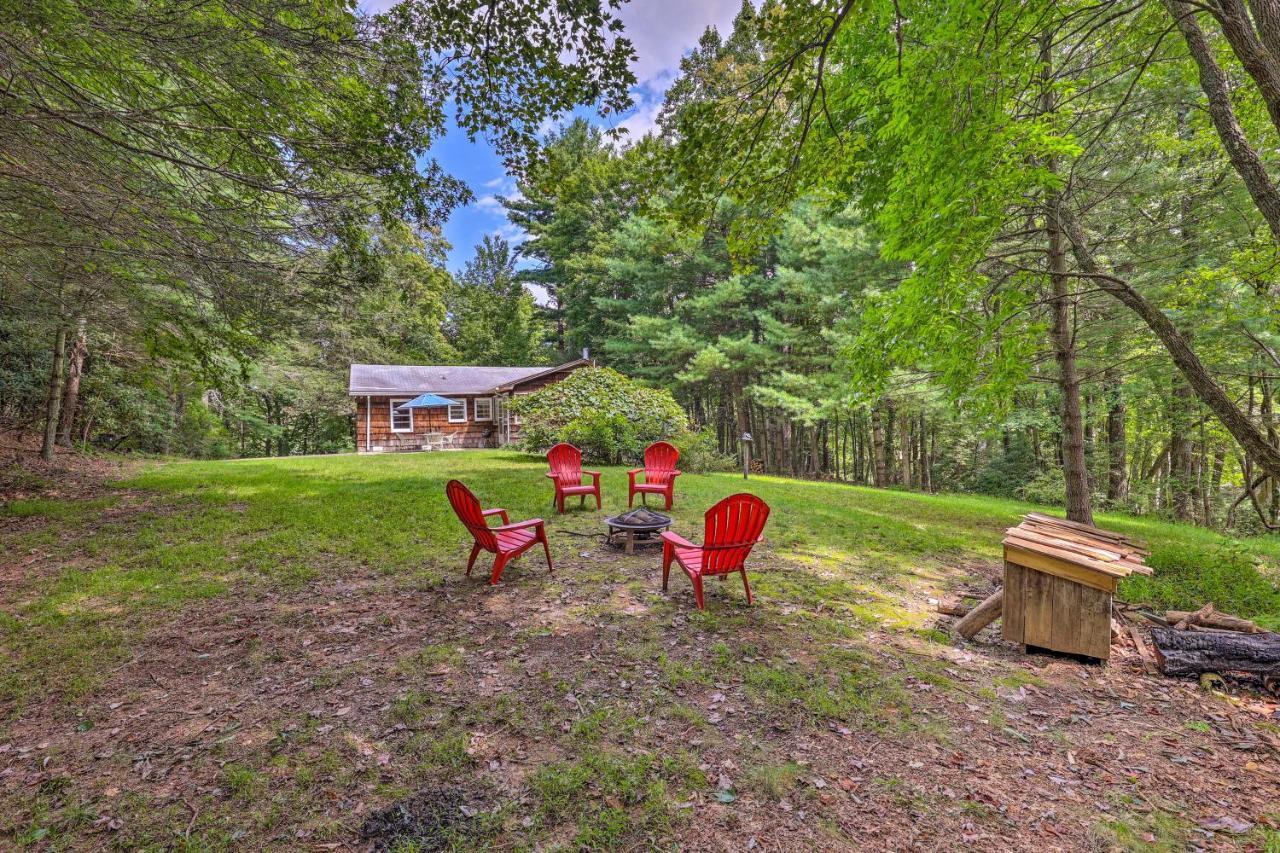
x=507, y=541
x=566, y=473
x=659, y=471
x=732, y=528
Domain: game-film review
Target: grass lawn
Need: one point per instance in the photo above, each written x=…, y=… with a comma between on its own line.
x=268, y=652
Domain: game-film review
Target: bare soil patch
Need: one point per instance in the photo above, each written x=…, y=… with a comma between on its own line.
x=304, y=716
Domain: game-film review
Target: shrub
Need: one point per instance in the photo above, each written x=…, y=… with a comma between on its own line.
x=1047, y=488
x=700, y=454
x=602, y=437
x=608, y=416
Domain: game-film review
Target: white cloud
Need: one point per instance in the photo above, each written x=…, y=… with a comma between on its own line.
x=512, y=233
x=664, y=30
x=643, y=120
x=490, y=204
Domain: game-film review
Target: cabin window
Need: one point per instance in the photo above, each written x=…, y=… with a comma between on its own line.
x=458, y=412
x=401, y=419
x=482, y=409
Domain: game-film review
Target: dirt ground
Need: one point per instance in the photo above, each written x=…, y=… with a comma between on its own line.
x=588, y=709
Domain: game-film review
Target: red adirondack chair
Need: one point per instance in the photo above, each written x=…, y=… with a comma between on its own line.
x=733, y=527
x=507, y=541
x=566, y=473
x=659, y=471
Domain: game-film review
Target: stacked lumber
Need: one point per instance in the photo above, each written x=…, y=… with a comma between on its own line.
x=1060, y=540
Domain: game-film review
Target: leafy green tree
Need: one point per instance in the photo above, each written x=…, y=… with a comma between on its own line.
x=566, y=203
x=494, y=317
x=214, y=154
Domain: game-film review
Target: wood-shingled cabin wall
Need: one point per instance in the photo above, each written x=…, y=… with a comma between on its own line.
x=471, y=434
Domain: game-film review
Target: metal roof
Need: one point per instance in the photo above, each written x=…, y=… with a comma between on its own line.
x=380, y=379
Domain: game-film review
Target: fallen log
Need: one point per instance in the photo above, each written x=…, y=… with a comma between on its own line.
x=1190, y=653
x=981, y=616
x=1223, y=621
x=951, y=607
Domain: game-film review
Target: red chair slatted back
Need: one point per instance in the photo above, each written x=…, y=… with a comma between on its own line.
x=467, y=506
x=660, y=460
x=733, y=527
x=566, y=464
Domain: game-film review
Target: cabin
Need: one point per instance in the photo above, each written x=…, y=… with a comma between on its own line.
x=477, y=418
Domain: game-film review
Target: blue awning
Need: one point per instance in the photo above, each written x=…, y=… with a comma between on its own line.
x=427, y=401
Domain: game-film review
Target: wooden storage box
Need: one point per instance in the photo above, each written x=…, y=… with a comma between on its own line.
x=1059, y=579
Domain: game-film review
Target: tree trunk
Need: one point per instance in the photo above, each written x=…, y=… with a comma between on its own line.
x=1258, y=61
x=1213, y=81
x=1194, y=652
x=1075, y=468
x=1117, y=464
x=54, y=403
x=1266, y=16
x=926, y=462
x=1181, y=450
x=71, y=396
x=1250, y=438
x=880, y=479
x=904, y=449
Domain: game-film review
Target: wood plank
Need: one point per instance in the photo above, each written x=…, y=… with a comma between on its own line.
x=1011, y=627
x=1117, y=539
x=1037, y=611
x=1063, y=598
x=1106, y=555
x=1111, y=569
x=1095, y=627
x=1124, y=550
x=1074, y=525
x=1043, y=563
x=1063, y=550
x=1069, y=550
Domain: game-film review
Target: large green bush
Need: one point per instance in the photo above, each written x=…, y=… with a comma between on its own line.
x=609, y=417
x=700, y=454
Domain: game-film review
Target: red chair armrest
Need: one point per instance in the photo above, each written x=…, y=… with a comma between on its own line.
x=676, y=473
x=595, y=475
x=501, y=513
x=520, y=525
x=635, y=471
x=676, y=539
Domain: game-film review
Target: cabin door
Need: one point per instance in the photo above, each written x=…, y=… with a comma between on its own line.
x=503, y=420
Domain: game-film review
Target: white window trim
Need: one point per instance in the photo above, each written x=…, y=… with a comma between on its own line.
x=475, y=410
x=461, y=420
x=395, y=401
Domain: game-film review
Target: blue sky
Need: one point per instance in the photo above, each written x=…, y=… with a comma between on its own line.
x=662, y=32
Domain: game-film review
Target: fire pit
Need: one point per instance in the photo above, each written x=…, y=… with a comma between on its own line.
x=636, y=525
